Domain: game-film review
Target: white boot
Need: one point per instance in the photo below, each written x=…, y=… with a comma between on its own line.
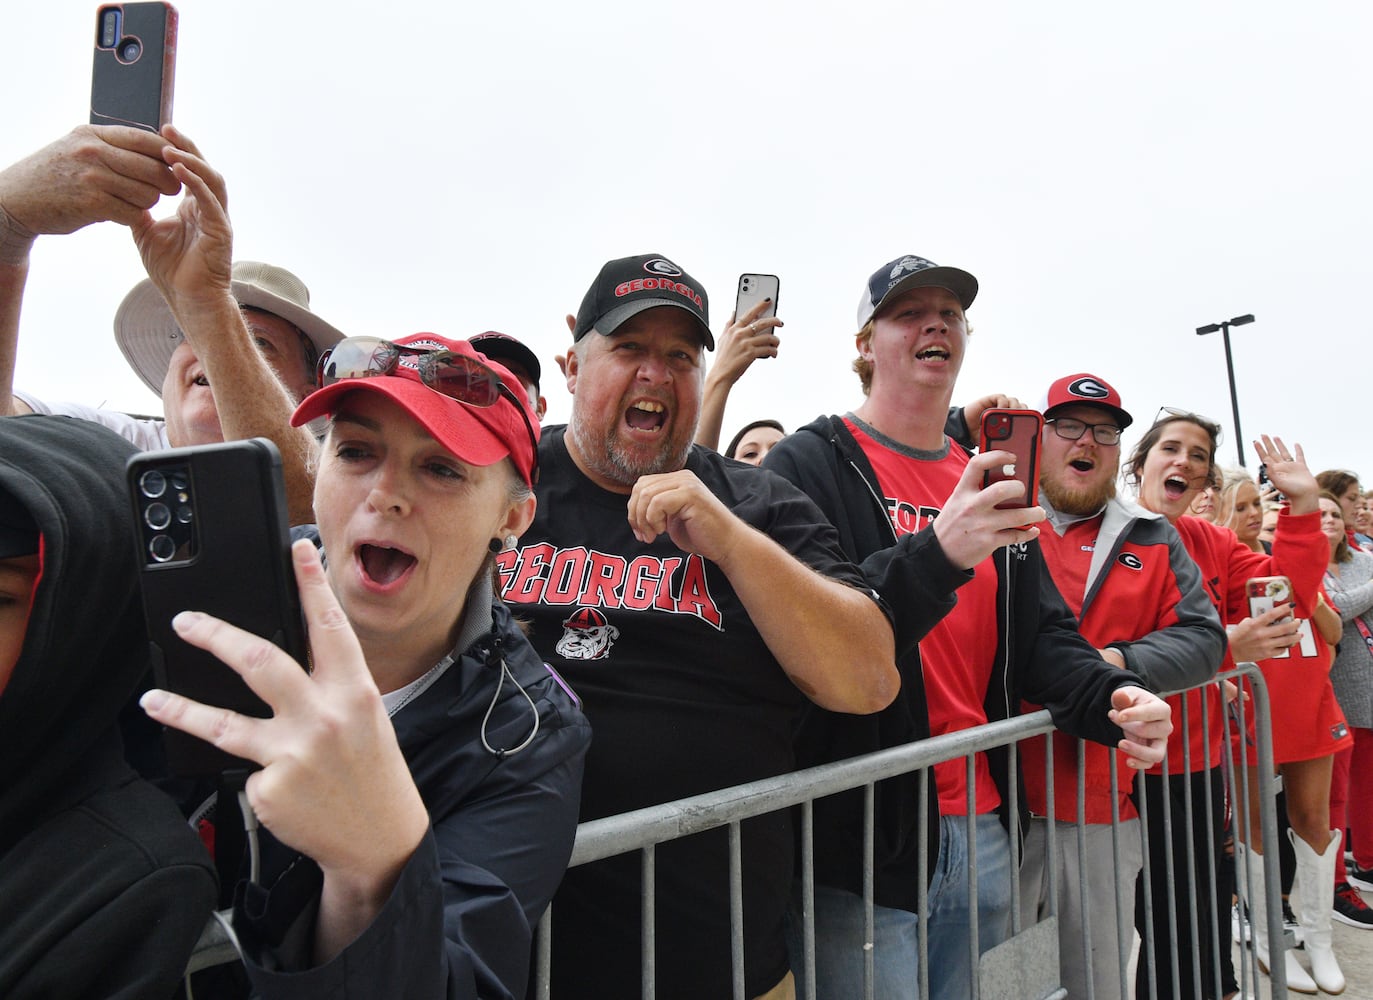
x=1257, y=900
x=1316, y=898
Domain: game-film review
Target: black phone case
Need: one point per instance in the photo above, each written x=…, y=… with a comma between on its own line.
x=137, y=93
x=234, y=562
x=1016, y=431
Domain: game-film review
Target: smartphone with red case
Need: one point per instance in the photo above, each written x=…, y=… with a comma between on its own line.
x=1016, y=431
x=213, y=537
x=134, y=70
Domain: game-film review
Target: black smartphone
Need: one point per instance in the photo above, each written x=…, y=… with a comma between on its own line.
x=1265, y=482
x=1016, y=431
x=753, y=288
x=213, y=537
x=134, y=71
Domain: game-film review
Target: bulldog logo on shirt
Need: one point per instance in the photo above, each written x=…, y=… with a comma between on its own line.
x=586, y=636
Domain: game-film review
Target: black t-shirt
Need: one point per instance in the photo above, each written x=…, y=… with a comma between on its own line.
x=683, y=697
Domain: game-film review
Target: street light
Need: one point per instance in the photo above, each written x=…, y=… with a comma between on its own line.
x=1224, y=328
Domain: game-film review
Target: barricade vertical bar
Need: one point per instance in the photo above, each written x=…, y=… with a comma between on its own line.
x=647, y=908
x=922, y=888
x=1084, y=896
x=736, y=911
x=1124, y=921
x=1146, y=884
x=869, y=931
x=808, y=895
x=1050, y=824
x=970, y=777
x=1013, y=810
x=1268, y=822
x=1212, y=875
x=543, y=955
x=1189, y=812
x=1238, y=789
x=1169, y=861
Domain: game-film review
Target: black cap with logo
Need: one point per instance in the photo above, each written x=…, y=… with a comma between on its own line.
x=629, y=285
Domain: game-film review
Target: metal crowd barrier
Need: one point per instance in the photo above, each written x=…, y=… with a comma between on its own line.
x=1025, y=966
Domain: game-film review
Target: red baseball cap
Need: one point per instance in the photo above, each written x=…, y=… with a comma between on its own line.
x=479, y=435
x=1083, y=389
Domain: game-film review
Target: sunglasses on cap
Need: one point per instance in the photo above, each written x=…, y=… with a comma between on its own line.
x=456, y=376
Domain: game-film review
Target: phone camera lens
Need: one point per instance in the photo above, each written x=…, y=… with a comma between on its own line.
x=184, y=513
x=162, y=548
x=157, y=516
x=179, y=481
x=109, y=28
x=153, y=484
x=129, y=50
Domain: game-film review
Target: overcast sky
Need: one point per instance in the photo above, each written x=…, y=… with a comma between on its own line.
x=1115, y=176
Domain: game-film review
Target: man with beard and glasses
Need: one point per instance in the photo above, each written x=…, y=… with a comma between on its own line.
x=1139, y=599
x=722, y=601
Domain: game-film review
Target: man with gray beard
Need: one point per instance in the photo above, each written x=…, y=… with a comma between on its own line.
x=694, y=603
x=1139, y=599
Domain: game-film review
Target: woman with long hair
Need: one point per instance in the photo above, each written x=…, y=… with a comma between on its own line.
x=1349, y=581
x=1172, y=462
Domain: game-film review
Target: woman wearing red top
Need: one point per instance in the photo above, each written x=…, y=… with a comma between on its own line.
x=1174, y=460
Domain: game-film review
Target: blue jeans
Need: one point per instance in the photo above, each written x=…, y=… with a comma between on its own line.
x=839, y=937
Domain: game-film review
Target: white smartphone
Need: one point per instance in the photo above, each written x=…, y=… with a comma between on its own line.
x=754, y=288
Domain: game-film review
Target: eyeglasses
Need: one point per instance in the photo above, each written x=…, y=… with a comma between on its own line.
x=1072, y=430
x=456, y=376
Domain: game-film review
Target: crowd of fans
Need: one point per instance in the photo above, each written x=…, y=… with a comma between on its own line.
x=516, y=627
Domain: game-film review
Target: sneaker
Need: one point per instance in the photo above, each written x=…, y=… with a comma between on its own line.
x=1239, y=929
x=1350, y=908
x=1360, y=878
x=1291, y=930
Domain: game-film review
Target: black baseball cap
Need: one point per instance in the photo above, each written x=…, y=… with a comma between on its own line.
x=629, y=285
x=503, y=347
x=908, y=272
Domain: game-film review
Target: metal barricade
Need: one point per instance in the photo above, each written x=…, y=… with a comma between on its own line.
x=1026, y=965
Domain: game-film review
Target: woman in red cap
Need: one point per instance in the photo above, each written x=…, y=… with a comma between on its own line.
x=420, y=786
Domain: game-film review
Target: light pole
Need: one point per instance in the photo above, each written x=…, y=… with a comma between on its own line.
x=1224, y=328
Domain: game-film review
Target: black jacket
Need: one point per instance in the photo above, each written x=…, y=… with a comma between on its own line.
x=103, y=887
x=1040, y=658
x=460, y=921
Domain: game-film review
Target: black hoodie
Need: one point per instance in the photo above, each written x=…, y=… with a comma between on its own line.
x=103, y=887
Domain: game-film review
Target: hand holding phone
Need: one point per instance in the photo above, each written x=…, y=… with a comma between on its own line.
x=134, y=69
x=213, y=538
x=753, y=289
x=1267, y=594
x=970, y=527
x=1016, y=431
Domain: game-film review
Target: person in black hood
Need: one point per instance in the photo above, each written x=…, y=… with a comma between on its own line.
x=105, y=888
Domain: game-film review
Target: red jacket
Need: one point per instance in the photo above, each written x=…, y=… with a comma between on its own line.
x=1144, y=597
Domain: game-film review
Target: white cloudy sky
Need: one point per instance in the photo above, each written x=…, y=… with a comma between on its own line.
x=1115, y=175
